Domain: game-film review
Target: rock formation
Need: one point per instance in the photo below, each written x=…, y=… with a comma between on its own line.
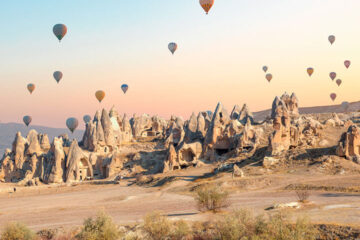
x=349, y=144
x=285, y=134
x=290, y=103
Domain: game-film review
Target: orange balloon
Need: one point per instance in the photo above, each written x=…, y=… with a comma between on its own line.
x=207, y=5
x=310, y=71
x=100, y=95
x=338, y=82
x=31, y=87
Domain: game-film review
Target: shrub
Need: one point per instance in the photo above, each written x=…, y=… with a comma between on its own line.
x=157, y=226
x=211, y=197
x=302, y=195
x=102, y=227
x=181, y=230
x=279, y=228
x=241, y=224
x=17, y=231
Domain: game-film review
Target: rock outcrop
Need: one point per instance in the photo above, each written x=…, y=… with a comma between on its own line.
x=285, y=134
x=349, y=144
x=290, y=103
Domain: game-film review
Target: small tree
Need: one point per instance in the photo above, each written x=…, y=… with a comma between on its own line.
x=211, y=197
x=102, y=227
x=17, y=231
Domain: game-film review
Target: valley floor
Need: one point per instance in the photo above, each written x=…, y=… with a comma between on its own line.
x=45, y=206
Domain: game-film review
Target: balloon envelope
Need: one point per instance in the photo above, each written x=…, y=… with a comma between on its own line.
x=269, y=77
x=347, y=63
x=331, y=39
x=338, y=82
x=265, y=68
x=124, y=87
x=333, y=96
x=310, y=71
x=72, y=124
x=58, y=76
x=206, y=5
x=31, y=87
x=100, y=95
x=172, y=47
x=87, y=119
x=332, y=75
x=27, y=120
x=59, y=30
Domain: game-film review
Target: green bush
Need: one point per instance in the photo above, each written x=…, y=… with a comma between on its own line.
x=102, y=227
x=157, y=226
x=211, y=197
x=17, y=231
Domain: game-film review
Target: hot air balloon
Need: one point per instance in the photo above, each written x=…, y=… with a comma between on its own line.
x=31, y=87
x=347, y=63
x=58, y=76
x=100, y=95
x=345, y=106
x=265, y=68
x=333, y=96
x=338, y=82
x=310, y=71
x=87, y=119
x=331, y=39
x=269, y=77
x=72, y=124
x=332, y=75
x=124, y=87
x=172, y=47
x=27, y=120
x=206, y=5
x=59, y=31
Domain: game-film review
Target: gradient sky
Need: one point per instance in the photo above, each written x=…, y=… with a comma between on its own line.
x=220, y=56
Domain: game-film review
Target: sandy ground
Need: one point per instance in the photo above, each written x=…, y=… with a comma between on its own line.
x=67, y=206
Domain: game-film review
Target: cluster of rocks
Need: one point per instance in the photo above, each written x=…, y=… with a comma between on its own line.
x=206, y=136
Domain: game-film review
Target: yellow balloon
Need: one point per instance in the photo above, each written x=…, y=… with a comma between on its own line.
x=100, y=95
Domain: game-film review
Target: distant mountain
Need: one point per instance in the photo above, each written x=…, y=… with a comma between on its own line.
x=354, y=107
x=8, y=131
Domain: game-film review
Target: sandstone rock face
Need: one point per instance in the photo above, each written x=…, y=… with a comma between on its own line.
x=285, y=134
x=107, y=131
x=235, y=113
x=78, y=166
x=349, y=144
x=215, y=137
x=290, y=103
x=57, y=162
x=245, y=115
x=171, y=162
x=176, y=133
x=248, y=140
